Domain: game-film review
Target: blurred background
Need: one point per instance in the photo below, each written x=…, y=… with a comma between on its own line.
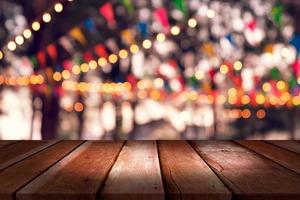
x=149, y=69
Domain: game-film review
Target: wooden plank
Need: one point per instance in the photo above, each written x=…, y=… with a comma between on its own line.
x=248, y=175
x=16, y=176
x=7, y=142
x=14, y=153
x=290, y=145
x=78, y=176
x=186, y=175
x=136, y=174
x=284, y=157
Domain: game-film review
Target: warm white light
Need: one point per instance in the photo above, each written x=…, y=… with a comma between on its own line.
x=160, y=37
x=210, y=13
x=19, y=40
x=147, y=44
x=175, y=30
x=58, y=7
x=12, y=45
x=192, y=23
x=36, y=26
x=27, y=33
x=46, y=17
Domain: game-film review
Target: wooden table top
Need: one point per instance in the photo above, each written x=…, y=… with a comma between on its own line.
x=142, y=170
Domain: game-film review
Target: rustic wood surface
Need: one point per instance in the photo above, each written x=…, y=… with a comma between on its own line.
x=142, y=170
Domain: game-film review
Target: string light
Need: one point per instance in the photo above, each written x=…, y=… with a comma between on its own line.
x=102, y=62
x=260, y=114
x=266, y=87
x=260, y=99
x=237, y=65
x=210, y=13
x=123, y=54
x=84, y=67
x=175, y=30
x=58, y=7
x=134, y=49
x=192, y=23
x=57, y=76
x=280, y=85
x=1, y=55
x=160, y=37
x=27, y=33
x=147, y=44
x=224, y=69
x=245, y=99
x=199, y=75
x=78, y=107
x=76, y=69
x=246, y=113
x=36, y=26
x=46, y=17
x=112, y=58
x=93, y=64
x=66, y=74
x=19, y=40
x=11, y=46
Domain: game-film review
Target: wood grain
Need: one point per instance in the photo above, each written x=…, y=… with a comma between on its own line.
x=15, y=152
x=284, y=157
x=78, y=176
x=247, y=174
x=136, y=174
x=290, y=145
x=16, y=176
x=186, y=175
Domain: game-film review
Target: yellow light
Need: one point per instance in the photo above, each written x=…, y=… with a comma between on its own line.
x=27, y=33
x=245, y=99
x=102, y=62
x=280, y=85
x=237, y=65
x=19, y=40
x=66, y=74
x=155, y=95
x=58, y=7
x=232, y=100
x=76, y=69
x=1, y=55
x=266, y=87
x=260, y=114
x=175, y=30
x=112, y=58
x=224, y=69
x=199, y=75
x=123, y=54
x=78, y=107
x=134, y=48
x=84, y=67
x=36, y=26
x=57, y=76
x=273, y=100
x=93, y=64
x=40, y=79
x=298, y=80
x=160, y=37
x=210, y=13
x=232, y=92
x=46, y=17
x=12, y=46
x=158, y=83
x=147, y=44
x=296, y=100
x=260, y=99
x=192, y=23
x=193, y=95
